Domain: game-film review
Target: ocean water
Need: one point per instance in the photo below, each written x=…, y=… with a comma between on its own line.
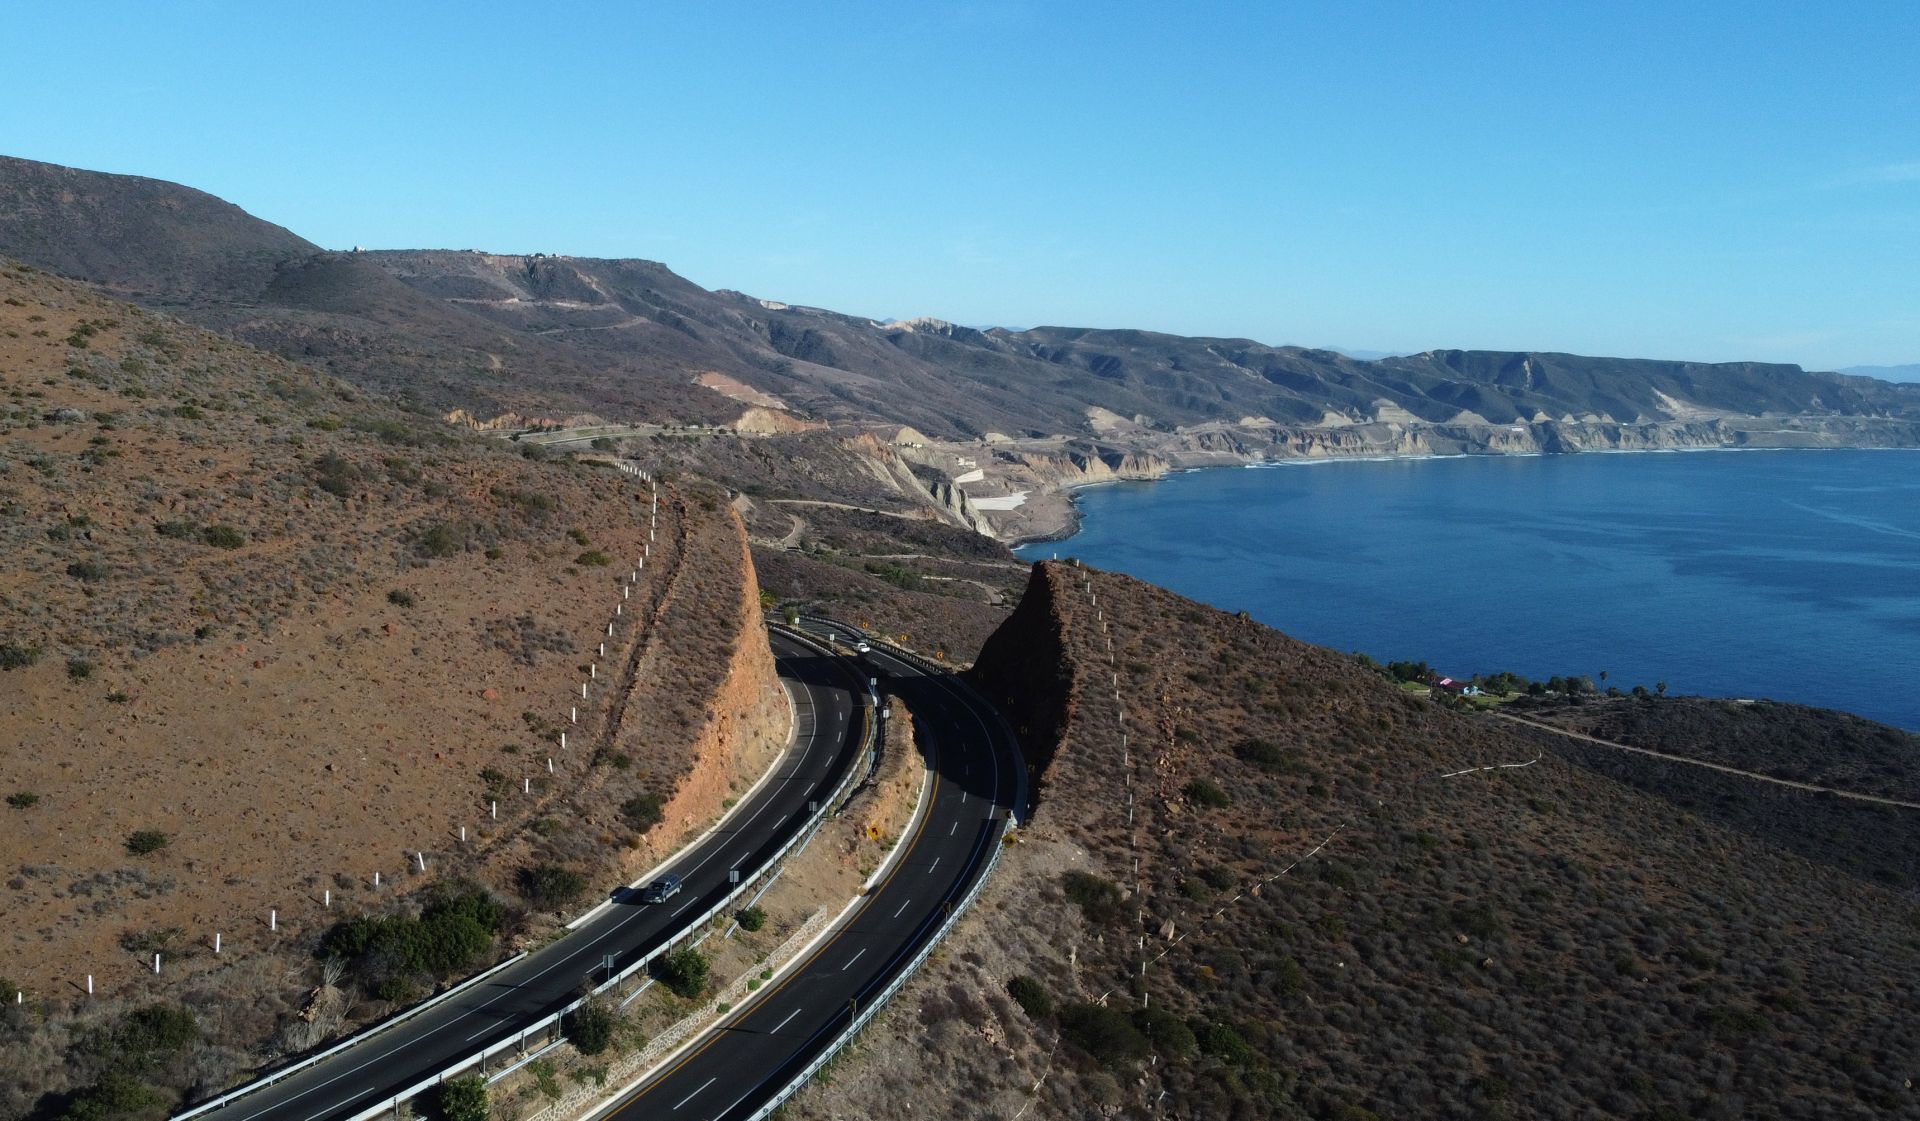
x=1790, y=574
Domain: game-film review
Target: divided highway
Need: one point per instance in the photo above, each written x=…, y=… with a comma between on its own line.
x=827, y=694
x=746, y=1062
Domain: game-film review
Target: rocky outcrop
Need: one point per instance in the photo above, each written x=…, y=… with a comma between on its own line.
x=954, y=501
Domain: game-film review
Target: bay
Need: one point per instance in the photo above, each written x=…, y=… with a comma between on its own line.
x=1793, y=575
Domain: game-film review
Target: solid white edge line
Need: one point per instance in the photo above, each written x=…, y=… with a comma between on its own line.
x=793, y=739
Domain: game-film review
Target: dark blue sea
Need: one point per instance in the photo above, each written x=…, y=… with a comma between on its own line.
x=1791, y=574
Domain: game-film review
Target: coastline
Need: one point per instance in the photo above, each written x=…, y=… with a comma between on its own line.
x=1071, y=521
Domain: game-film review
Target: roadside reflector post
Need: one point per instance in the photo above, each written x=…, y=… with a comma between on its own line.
x=216, y=943
x=89, y=984
x=493, y=809
x=463, y=834
x=156, y=964
x=526, y=786
x=273, y=919
x=326, y=898
x=563, y=741
x=376, y=879
x=573, y=717
x=549, y=764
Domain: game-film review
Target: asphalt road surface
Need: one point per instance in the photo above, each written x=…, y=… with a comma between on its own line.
x=827, y=696
x=978, y=780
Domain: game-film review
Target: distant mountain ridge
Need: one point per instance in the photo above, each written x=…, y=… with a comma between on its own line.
x=1907, y=372
x=628, y=338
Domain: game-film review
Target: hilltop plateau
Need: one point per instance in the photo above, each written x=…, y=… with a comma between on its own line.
x=1276, y=885
x=264, y=639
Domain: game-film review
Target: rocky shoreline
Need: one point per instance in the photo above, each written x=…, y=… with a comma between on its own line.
x=1051, y=472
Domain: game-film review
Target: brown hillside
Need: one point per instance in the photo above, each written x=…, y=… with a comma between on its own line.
x=309, y=637
x=1330, y=920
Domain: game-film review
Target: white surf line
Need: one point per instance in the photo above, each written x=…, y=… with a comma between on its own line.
x=696, y=1093
x=853, y=959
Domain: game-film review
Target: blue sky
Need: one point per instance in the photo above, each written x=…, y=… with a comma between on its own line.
x=1701, y=180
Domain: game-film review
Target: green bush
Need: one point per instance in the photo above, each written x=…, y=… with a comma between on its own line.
x=223, y=537
x=400, y=597
x=335, y=475
x=1224, y=1043
x=1269, y=756
x=685, y=973
x=1168, y=1033
x=116, y=1096
x=579, y=537
x=751, y=919
x=79, y=669
x=590, y=1028
x=1031, y=996
x=550, y=886
x=144, y=841
x=643, y=811
x=23, y=799
x=456, y=926
x=1204, y=792
x=462, y=1099
x=181, y=530
x=13, y=655
x=1099, y=899
x=442, y=540
x=1104, y=1033
x=87, y=571
x=593, y=558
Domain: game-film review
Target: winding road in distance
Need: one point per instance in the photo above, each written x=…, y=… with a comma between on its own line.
x=979, y=778
x=827, y=694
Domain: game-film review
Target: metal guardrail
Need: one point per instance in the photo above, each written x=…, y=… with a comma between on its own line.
x=875, y=1006
x=548, y=1025
x=354, y=1040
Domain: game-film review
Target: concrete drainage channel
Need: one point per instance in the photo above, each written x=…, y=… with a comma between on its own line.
x=544, y=1034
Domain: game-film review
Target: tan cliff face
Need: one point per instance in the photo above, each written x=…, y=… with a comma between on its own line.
x=746, y=724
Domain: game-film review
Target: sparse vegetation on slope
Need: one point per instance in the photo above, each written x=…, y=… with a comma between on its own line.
x=1354, y=935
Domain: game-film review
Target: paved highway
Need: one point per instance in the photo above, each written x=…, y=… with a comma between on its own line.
x=978, y=779
x=827, y=696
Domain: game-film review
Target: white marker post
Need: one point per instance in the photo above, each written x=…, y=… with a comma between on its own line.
x=583, y=690
x=89, y=984
x=376, y=879
x=422, y=858
x=549, y=764
x=526, y=786
x=493, y=809
x=593, y=671
x=216, y=943
x=463, y=834
x=273, y=919
x=156, y=965
x=563, y=741
x=326, y=899
x=573, y=717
